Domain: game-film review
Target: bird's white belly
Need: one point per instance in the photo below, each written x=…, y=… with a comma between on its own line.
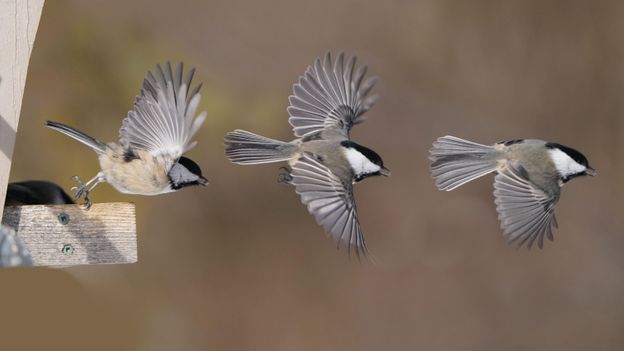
x=138, y=176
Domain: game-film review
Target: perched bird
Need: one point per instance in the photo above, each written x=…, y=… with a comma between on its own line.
x=148, y=159
x=328, y=100
x=36, y=192
x=527, y=186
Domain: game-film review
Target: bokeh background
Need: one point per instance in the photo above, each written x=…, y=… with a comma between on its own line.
x=240, y=265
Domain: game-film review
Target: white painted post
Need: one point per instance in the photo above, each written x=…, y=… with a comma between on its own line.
x=19, y=20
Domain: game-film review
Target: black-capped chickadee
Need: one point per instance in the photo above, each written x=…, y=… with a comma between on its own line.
x=36, y=192
x=327, y=101
x=148, y=159
x=527, y=186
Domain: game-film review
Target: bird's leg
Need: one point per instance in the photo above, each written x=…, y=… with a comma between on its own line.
x=87, y=192
x=83, y=190
x=284, y=176
x=77, y=190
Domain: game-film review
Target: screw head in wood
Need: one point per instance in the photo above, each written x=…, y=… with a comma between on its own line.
x=63, y=218
x=67, y=249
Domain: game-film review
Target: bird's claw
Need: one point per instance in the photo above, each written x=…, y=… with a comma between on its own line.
x=77, y=180
x=87, y=200
x=78, y=190
x=81, y=191
x=285, y=176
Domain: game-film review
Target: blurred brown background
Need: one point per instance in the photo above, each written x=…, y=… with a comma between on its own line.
x=240, y=265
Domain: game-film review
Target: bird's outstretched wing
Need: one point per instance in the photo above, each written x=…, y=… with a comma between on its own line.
x=163, y=119
x=330, y=97
x=526, y=212
x=330, y=201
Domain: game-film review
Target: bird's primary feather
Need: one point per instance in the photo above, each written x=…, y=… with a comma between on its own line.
x=330, y=97
x=330, y=201
x=163, y=120
x=526, y=212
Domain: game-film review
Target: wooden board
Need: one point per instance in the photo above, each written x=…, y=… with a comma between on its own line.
x=67, y=235
x=19, y=20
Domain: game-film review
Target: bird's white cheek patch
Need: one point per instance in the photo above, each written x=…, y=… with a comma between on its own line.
x=565, y=164
x=359, y=163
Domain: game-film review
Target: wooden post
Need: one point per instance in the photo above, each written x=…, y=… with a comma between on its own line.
x=68, y=235
x=19, y=20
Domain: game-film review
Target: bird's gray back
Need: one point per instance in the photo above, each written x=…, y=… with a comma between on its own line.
x=533, y=157
x=329, y=153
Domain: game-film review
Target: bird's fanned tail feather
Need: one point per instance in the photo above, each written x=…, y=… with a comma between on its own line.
x=247, y=148
x=457, y=161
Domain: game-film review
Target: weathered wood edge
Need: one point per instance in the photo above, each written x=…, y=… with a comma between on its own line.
x=69, y=235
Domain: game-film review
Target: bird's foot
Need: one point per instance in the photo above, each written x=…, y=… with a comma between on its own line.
x=284, y=176
x=78, y=190
x=81, y=191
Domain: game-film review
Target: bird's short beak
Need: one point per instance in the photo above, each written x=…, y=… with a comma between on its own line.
x=203, y=181
x=384, y=171
x=590, y=171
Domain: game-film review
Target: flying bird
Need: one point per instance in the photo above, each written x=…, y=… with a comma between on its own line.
x=528, y=181
x=327, y=101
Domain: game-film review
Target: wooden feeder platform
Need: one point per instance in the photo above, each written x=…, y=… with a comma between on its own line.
x=69, y=235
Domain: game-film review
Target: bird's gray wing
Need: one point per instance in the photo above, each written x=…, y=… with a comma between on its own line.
x=330, y=201
x=163, y=119
x=330, y=96
x=526, y=212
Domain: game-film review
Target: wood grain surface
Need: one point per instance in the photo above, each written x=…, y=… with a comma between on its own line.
x=68, y=235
